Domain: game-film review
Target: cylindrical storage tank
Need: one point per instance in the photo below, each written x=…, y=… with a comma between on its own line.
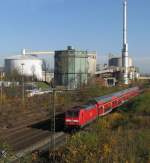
x=115, y=61
x=24, y=65
x=71, y=68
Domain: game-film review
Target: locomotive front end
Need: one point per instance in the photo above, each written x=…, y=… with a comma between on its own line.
x=72, y=118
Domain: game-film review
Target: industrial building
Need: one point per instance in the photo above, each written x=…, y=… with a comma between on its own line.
x=73, y=67
x=117, y=61
x=29, y=66
x=91, y=62
x=120, y=68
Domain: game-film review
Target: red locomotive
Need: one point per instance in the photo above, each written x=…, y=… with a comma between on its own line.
x=80, y=116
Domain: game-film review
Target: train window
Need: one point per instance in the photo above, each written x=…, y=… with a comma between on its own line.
x=72, y=113
x=114, y=102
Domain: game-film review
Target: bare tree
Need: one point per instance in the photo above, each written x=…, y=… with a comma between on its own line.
x=46, y=69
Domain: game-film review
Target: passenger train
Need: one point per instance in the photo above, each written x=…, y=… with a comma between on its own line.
x=80, y=116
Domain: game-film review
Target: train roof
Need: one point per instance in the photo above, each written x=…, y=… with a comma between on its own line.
x=87, y=106
x=104, y=98
x=75, y=108
x=107, y=98
x=91, y=102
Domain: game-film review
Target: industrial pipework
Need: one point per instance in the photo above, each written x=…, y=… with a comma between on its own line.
x=30, y=52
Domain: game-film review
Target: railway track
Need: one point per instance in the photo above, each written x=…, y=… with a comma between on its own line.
x=22, y=121
x=34, y=135
x=27, y=121
x=40, y=142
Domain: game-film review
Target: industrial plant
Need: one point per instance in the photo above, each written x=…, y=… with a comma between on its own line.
x=120, y=69
x=73, y=67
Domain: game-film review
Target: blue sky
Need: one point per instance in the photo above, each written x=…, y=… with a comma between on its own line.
x=85, y=24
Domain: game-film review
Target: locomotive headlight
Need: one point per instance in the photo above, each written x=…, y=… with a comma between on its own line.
x=75, y=120
x=72, y=120
x=68, y=120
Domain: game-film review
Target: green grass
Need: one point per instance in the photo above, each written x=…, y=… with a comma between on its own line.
x=42, y=85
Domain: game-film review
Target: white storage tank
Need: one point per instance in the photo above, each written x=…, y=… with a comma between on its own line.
x=26, y=64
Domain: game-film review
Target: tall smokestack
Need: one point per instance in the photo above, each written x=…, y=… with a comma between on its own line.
x=125, y=44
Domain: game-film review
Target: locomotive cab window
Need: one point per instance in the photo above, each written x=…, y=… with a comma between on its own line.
x=93, y=102
x=72, y=113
